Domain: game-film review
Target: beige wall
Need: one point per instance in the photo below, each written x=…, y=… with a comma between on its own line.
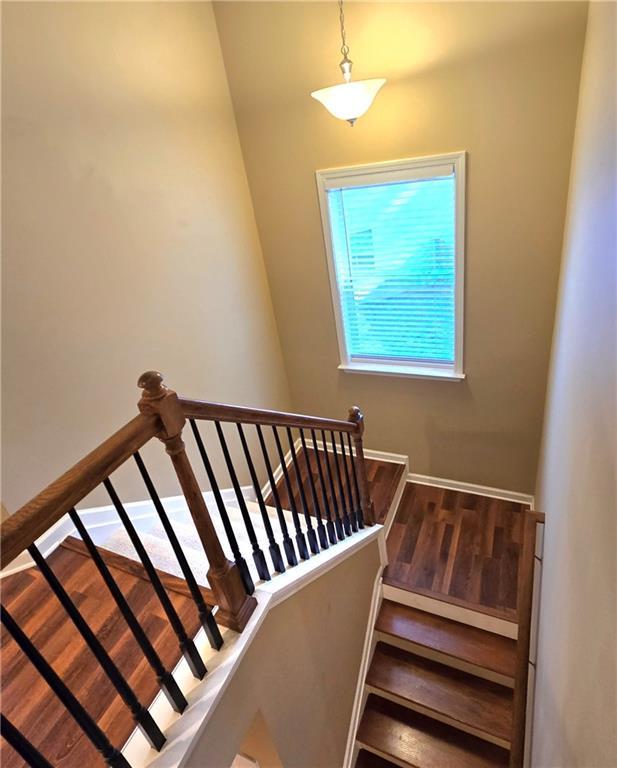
x=576, y=688
x=129, y=237
x=497, y=79
x=300, y=672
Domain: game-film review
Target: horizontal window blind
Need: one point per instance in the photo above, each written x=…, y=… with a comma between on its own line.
x=394, y=254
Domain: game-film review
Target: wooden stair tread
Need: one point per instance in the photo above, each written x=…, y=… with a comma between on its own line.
x=451, y=638
x=368, y=759
x=468, y=700
x=420, y=742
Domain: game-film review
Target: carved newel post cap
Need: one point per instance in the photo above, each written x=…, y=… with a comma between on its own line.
x=356, y=417
x=152, y=384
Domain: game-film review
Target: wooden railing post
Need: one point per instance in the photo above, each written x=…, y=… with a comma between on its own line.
x=235, y=606
x=366, y=503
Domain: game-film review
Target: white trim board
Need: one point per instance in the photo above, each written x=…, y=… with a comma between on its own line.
x=480, y=490
x=394, y=505
x=277, y=472
x=450, y=611
x=367, y=655
x=369, y=453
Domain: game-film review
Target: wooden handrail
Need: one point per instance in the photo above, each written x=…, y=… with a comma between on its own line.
x=200, y=409
x=531, y=519
x=46, y=508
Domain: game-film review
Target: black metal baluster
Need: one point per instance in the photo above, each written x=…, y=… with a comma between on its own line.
x=258, y=556
x=352, y=513
x=300, y=540
x=113, y=757
x=165, y=678
x=310, y=531
x=243, y=568
x=143, y=719
x=337, y=517
x=345, y=511
x=321, y=531
x=356, y=487
x=324, y=493
x=275, y=552
x=187, y=646
x=206, y=616
x=288, y=545
x=21, y=745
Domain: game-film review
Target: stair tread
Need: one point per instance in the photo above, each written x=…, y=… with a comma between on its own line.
x=468, y=700
x=451, y=638
x=420, y=742
x=368, y=759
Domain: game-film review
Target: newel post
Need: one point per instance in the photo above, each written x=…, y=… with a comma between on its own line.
x=368, y=512
x=235, y=606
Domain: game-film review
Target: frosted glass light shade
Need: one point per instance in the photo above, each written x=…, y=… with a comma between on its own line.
x=348, y=101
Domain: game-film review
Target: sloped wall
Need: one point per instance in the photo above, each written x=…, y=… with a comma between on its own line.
x=576, y=686
x=129, y=240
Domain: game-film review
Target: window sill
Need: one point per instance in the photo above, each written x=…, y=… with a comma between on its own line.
x=406, y=371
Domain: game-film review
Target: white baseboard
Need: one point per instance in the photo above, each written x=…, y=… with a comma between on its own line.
x=480, y=490
x=369, y=453
x=278, y=472
x=393, y=458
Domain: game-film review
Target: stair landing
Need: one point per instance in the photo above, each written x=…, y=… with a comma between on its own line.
x=383, y=477
x=459, y=548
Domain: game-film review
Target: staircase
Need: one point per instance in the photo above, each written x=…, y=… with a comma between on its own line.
x=107, y=636
x=440, y=692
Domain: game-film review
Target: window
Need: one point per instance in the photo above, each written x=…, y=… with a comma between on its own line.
x=394, y=235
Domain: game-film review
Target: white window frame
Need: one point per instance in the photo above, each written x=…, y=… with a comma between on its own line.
x=389, y=172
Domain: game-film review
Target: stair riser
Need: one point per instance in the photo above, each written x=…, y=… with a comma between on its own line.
x=449, y=661
x=438, y=716
x=449, y=611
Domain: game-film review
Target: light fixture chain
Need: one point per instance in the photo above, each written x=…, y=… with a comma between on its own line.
x=344, y=46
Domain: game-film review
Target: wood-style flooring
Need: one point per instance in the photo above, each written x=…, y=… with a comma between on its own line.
x=383, y=477
x=459, y=547
x=26, y=699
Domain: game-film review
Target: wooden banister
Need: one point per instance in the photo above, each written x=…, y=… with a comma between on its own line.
x=199, y=409
x=157, y=399
x=356, y=418
x=31, y=521
x=163, y=415
x=524, y=610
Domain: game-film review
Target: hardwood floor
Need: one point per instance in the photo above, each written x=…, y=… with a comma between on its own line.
x=472, y=703
x=28, y=702
x=448, y=638
x=459, y=547
x=421, y=742
x=383, y=477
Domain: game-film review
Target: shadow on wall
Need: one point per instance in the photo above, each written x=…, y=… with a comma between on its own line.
x=258, y=748
x=481, y=446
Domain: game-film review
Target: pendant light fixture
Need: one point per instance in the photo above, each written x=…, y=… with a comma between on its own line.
x=351, y=99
